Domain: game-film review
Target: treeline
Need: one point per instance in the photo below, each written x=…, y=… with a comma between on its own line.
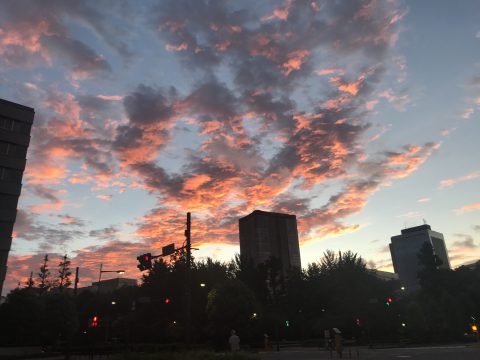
x=337, y=291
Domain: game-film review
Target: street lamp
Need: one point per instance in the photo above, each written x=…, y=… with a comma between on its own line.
x=107, y=271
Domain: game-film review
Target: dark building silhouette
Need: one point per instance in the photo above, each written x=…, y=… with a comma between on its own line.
x=109, y=286
x=265, y=234
x=15, y=124
x=405, y=248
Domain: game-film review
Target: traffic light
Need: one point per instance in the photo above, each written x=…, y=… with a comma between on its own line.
x=287, y=323
x=474, y=328
x=357, y=322
x=144, y=261
x=94, y=321
x=167, y=301
x=389, y=301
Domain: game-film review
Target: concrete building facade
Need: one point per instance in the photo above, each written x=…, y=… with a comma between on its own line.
x=405, y=248
x=15, y=125
x=266, y=234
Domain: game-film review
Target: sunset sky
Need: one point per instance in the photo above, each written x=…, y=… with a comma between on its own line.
x=360, y=117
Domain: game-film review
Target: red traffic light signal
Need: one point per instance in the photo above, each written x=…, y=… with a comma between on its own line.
x=357, y=322
x=94, y=321
x=167, y=301
x=144, y=261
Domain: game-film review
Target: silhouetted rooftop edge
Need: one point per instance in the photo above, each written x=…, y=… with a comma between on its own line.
x=416, y=228
x=11, y=103
x=267, y=213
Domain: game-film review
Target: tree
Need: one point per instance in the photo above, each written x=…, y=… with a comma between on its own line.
x=44, y=276
x=30, y=283
x=60, y=319
x=21, y=318
x=64, y=273
x=429, y=275
x=230, y=306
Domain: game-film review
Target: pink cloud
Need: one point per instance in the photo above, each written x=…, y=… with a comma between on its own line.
x=398, y=101
x=467, y=208
x=176, y=48
x=453, y=181
x=110, y=97
x=104, y=197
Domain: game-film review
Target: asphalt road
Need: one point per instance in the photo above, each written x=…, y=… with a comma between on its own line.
x=423, y=353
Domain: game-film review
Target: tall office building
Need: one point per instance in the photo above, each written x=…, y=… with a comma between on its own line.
x=265, y=234
x=15, y=124
x=405, y=248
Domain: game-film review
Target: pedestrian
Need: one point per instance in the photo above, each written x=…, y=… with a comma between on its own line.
x=338, y=342
x=326, y=335
x=234, y=341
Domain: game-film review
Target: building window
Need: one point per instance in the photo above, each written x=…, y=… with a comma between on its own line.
x=6, y=123
x=4, y=148
x=13, y=125
x=21, y=127
x=13, y=150
x=10, y=175
x=8, y=201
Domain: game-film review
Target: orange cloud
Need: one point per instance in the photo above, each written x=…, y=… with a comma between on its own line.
x=467, y=208
x=279, y=13
x=295, y=61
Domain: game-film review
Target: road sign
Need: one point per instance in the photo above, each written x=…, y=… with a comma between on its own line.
x=167, y=250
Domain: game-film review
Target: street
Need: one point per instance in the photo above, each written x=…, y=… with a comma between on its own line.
x=419, y=353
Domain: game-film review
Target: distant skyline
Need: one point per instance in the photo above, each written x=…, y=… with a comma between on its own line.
x=361, y=118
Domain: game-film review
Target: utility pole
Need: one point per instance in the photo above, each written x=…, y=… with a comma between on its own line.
x=76, y=282
x=188, y=313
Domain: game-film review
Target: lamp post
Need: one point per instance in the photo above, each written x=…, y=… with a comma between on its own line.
x=106, y=271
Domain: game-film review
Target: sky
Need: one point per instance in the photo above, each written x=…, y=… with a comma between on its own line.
x=360, y=117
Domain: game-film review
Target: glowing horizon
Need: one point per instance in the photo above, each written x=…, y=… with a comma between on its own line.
x=355, y=117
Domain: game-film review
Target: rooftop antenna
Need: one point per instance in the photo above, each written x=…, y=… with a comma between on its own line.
x=424, y=222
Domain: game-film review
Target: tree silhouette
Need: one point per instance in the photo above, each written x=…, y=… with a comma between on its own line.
x=44, y=276
x=64, y=273
x=30, y=283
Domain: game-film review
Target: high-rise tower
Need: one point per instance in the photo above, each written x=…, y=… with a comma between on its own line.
x=15, y=125
x=405, y=248
x=266, y=234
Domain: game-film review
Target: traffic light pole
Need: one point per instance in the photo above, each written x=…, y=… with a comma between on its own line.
x=188, y=298
x=145, y=263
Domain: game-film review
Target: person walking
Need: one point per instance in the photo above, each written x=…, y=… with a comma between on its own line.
x=266, y=342
x=338, y=342
x=234, y=341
